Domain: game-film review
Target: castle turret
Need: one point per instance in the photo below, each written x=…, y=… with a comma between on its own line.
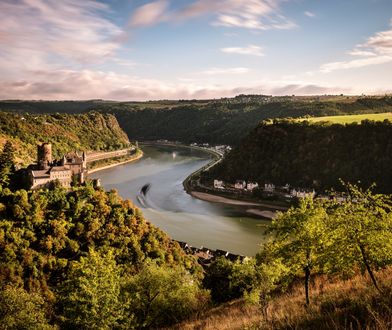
x=44, y=159
x=84, y=159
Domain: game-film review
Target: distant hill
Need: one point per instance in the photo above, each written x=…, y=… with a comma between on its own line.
x=314, y=155
x=227, y=121
x=217, y=121
x=66, y=132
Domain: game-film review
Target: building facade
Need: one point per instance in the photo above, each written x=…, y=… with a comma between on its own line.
x=71, y=168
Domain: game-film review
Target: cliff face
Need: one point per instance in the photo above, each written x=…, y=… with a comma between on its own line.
x=313, y=155
x=89, y=131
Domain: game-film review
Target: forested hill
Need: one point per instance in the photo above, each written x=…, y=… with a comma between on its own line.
x=219, y=121
x=313, y=155
x=227, y=121
x=90, y=131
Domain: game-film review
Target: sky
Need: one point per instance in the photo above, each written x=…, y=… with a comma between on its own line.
x=193, y=49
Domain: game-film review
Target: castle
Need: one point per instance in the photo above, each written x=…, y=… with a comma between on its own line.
x=71, y=167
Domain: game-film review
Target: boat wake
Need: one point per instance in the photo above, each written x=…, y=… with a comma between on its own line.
x=142, y=196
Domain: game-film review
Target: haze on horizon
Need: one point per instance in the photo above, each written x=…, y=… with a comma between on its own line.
x=182, y=49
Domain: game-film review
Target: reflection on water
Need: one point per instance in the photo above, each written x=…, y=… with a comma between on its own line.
x=168, y=206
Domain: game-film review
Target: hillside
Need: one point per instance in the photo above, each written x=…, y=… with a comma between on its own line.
x=90, y=131
x=312, y=155
x=227, y=121
x=218, y=121
x=337, y=304
x=348, y=119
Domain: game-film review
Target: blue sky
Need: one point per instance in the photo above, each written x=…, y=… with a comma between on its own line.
x=172, y=49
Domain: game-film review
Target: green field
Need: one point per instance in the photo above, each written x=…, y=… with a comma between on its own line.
x=347, y=119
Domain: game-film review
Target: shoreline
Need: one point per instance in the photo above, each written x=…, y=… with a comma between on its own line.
x=115, y=164
x=269, y=214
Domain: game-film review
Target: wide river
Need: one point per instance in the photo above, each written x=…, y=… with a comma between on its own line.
x=181, y=216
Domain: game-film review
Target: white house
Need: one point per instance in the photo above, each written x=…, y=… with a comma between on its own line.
x=251, y=185
x=269, y=187
x=302, y=193
x=218, y=184
x=240, y=184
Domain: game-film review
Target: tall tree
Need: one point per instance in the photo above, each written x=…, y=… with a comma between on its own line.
x=161, y=295
x=91, y=295
x=298, y=239
x=7, y=165
x=361, y=231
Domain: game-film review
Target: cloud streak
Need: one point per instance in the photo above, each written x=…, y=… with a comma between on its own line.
x=87, y=84
x=249, y=50
x=376, y=50
x=219, y=71
x=43, y=33
x=249, y=14
x=309, y=14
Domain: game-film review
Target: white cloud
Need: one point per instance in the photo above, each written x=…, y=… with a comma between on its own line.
x=150, y=14
x=376, y=50
x=309, y=14
x=249, y=14
x=87, y=84
x=352, y=64
x=358, y=52
x=250, y=50
x=48, y=33
x=216, y=71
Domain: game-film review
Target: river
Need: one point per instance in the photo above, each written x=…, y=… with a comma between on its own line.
x=169, y=207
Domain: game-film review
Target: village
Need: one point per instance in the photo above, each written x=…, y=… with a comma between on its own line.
x=268, y=188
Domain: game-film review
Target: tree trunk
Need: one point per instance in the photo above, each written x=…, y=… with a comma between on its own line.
x=307, y=280
x=369, y=270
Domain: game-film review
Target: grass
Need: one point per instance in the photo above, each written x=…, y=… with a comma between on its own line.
x=347, y=119
x=335, y=304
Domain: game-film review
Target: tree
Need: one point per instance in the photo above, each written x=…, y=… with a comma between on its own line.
x=218, y=280
x=298, y=239
x=91, y=294
x=22, y=310
x=7, y=165
x=159, y=295
x=361, y=232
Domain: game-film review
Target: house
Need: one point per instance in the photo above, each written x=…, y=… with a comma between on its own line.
x=71, y=167
x=269, y=187
x=240, y=184
x=218, y=184
x=251, y=185
x=302, y=193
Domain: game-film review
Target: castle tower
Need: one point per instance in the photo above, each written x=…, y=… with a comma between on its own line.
x=44, y=159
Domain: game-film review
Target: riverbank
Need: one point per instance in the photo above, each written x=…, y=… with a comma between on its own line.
x=105, y=167
x=269, y=214
x=193, y=180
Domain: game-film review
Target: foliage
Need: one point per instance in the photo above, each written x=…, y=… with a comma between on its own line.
x=91, y=294
x=228, y=280
x=327, y=237
x=22, y=310
x=312, y=155
x=361, y=232
x=228, y=120
x=90, y=131
x=44, y=232
x=159, y=295
x=7, y=164
x=299, y=239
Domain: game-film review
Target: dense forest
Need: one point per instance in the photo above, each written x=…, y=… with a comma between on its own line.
x=220, y=121
x=90, y=131
x=227, y=121
x=309, y=155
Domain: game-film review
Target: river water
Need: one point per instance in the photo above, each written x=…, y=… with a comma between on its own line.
x=169, y=207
